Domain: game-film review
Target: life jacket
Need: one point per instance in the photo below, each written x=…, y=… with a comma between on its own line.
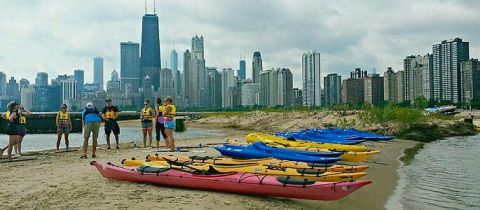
x=109, y=114
x=146, y=113
x=160, y=110
x=64, y=117
x=17, y=120
x=90, y=111
x=172, y=113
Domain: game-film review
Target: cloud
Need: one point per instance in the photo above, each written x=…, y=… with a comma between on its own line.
x=60, y=36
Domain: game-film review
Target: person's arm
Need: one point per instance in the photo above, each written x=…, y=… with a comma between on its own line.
x=57, y=120
x=70, y=126
x=13, y=117
x=157, y=113
x=115, y=114
x=83, y=121
x=26, y=112
x=4, y=116
x=168, y=110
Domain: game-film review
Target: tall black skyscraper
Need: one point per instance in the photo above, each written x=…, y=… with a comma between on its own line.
x=150, y=49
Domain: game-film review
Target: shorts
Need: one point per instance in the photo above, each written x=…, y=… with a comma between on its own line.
x=11, y=129
x=112, y=126
x=147, y=125
x=21, y=130
x=169, y=124
x=93, y=127
x=63, y=130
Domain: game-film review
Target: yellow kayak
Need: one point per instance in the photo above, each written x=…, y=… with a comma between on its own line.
x=276, y=140
x=265, y=162
x=311, y=174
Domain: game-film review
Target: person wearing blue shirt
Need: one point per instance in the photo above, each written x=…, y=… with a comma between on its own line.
x=91, y=125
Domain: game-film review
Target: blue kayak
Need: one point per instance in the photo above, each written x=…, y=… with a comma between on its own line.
x=312, y=135
x=264, y=147
x=363, y=134
x=251, y=152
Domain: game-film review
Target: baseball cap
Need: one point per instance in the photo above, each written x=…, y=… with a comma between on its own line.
x=89, y=105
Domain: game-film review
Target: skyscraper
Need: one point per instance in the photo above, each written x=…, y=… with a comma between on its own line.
x=333, y=89
x=113, y=88
x=3, y=84
x=150, y=61
x=390, y=86
x=167, y=85
x=187, y=87
x=197, y=74
x=68, y=86
x=80, y=79
x=269, y=88
x=41, y=79
x=311, y=79
x=13, y=90
x=257, y=67
x=228, y=81
x=130, y=65
x=214, y=79
x=98, y=71
x=250, y=94
x=242, y=71
x=470, y=72
x=297, y=97
x=26, y=96
x=148, y=89
x=353, y=88
x=176, y=73
x=285, y=87
x=373, y=89
x=447, y=57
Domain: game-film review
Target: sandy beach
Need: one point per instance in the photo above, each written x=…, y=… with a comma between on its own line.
x=63, y=181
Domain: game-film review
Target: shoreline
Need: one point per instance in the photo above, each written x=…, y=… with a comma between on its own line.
x=62, y=180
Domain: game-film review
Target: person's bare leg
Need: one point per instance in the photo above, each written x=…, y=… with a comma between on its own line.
x=67, y=141
x=117, y=140
x=144, y=138
x=94, y=146
x=108, y=141
x=150, y=137
x=12, y=140
x=59, y=138
x=85, y=146
x=19, y=145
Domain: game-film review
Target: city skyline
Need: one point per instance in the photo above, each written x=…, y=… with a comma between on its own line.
x=55, y=42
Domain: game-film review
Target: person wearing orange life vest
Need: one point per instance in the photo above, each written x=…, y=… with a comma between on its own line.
x=169, y=114
x=110, y=115
x=147, y=114
x=64, y=125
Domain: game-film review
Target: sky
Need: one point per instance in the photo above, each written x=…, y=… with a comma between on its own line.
x=60, y=36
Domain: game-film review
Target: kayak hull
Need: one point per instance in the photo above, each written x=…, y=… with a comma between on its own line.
x=239, y=183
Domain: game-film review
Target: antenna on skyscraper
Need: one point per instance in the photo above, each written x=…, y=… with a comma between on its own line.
x=154, y=10
x=145, y=6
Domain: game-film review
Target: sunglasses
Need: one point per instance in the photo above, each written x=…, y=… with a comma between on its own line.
x=64, y=107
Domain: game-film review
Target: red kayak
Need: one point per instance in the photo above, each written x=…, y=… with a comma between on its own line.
x=240, y=183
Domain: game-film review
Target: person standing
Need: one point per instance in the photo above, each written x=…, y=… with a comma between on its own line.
x=159, y=122
x=12, y=127
x=91, y=124
x=146, y=116
x=22, y=130
x=169, y=114
x=110, y=115
x=64, y=125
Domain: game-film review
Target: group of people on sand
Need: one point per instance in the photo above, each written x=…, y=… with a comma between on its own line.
x=16, y=117
x=163, y=115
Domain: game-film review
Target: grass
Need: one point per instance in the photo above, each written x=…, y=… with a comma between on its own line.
x=409, y=154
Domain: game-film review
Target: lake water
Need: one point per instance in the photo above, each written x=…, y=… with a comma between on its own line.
x=444, y=175
x=39, y=142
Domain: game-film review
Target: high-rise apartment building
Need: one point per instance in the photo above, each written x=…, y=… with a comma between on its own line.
x=470, y=72
x=447, y=57
x=242, y=71
x=228, y=81
x=285, y=87
x=79, y=77
x=269, y=88
x=311, y=79
x=333, y=89
x=214, y=79
x=42, y=79
x=373, y=89
x=3, y=84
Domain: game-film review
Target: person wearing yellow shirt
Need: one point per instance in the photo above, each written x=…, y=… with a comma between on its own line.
x=169, y=114
x=147, y=114
x=64, y=125
x=110, y=115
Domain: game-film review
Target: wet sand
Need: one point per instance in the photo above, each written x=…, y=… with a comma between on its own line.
x=63, y=181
